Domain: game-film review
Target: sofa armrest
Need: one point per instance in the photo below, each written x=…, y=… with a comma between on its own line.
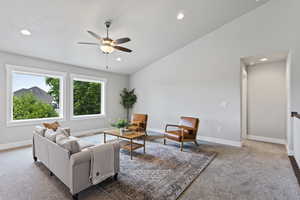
x=80, y=166
x=80, y=157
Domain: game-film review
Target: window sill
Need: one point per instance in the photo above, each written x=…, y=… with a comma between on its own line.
x=30, y=122
x=85, y=117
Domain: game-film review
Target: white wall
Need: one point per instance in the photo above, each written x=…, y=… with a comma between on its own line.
x=244, y=91
x=267, y=100
x=115, y=83
x=296, y=128
x=197, y=79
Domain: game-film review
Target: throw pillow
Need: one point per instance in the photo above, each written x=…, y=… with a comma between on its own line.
x=68, y=143
x=63, y=131
x=52, y=126
x=50, y=134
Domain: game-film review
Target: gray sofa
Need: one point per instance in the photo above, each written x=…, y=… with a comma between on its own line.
x=72, y=169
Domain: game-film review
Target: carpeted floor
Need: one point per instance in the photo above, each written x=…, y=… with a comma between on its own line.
x=163, y=173
x=258, y=171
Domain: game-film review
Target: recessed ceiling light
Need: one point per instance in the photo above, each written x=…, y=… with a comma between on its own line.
x=264, y=59
x=180, y=16
x=119, y=59
x=25, y=32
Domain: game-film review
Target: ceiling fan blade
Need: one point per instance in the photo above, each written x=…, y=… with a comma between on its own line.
x=122, y=40
x=122, y=49
x=94, y=35
x=88, y=43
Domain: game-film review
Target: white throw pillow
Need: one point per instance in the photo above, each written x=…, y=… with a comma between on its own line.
x=68, y=143
x=51, y=134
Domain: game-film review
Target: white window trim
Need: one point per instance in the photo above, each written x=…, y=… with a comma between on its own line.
x=94, y=79
x=10, y=69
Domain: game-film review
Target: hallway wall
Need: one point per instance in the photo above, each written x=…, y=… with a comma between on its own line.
x=266, y=98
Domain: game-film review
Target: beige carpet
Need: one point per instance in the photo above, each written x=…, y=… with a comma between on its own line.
x=258, y=171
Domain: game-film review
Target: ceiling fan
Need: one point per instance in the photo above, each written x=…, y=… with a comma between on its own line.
x=106, y=44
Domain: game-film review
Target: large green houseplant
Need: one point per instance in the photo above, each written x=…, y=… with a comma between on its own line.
x=128, y=99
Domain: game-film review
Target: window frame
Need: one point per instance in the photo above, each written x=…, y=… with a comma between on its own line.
x=10, y=69
x=93, y=79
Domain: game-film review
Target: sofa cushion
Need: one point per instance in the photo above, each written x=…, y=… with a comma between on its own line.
x=40, y=130
x=84, y=144
x=68, y=143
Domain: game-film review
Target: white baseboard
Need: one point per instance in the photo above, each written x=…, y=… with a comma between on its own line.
x=221, y=141
x=266, y=139
x=209, y=139
x=88, y=132
x=15, y=145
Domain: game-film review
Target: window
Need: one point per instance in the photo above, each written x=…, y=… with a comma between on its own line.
x=87, y=97
x=34, y=94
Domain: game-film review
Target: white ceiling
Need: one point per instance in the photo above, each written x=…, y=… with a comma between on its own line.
x=57, y=25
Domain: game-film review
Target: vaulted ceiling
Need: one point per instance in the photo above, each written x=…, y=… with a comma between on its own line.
x=57, y=26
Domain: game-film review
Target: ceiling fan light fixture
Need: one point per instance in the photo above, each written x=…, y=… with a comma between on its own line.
x=107, y=48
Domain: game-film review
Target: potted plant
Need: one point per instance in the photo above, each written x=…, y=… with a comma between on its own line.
x=121, y=124
x=128, y=99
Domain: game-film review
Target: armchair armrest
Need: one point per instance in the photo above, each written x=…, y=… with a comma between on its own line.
x=181, y=127
x=187, y=128
x=171, y=125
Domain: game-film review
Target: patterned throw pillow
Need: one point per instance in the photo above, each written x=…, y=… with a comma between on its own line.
x=52, y=126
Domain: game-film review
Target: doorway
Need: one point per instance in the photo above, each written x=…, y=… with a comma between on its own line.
x=265, y=98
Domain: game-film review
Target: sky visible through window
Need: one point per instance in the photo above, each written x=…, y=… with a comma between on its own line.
x=27, y=81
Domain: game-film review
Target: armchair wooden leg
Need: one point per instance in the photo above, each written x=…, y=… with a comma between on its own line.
x=164, y=141
x=116, y=177
x=196, y=143
x=75, y=197
x=181, y=146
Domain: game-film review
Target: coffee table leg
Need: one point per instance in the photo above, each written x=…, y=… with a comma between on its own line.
x=104, y=138
x=131, y=149
x=144, y=144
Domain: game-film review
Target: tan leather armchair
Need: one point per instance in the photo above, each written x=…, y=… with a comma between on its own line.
x=186, y=131
x=138, y=122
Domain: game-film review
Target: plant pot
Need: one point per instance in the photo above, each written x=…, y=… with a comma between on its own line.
x=121, y=131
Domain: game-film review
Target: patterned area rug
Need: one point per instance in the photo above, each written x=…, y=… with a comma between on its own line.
x=164, y=172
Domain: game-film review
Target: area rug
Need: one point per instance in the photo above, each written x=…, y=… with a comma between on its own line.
x=163, y=173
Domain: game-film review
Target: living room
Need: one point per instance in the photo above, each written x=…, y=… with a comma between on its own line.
x=153, y=88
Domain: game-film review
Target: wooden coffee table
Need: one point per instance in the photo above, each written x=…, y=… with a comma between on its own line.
x=128, y=137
